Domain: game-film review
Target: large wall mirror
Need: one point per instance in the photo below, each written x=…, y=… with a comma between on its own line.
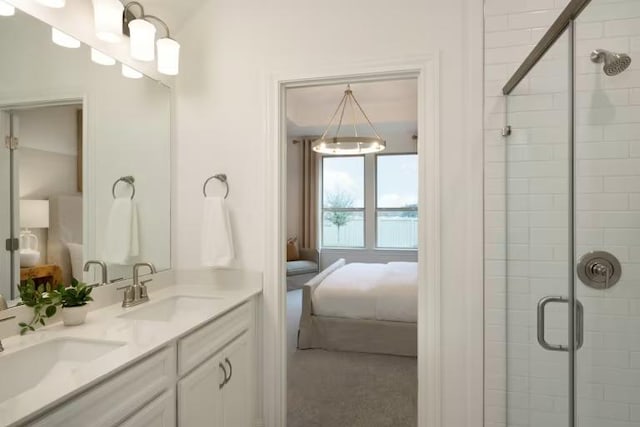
x=84, y=164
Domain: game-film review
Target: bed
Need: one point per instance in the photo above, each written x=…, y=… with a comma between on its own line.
x=369, y=308
x=64, y=242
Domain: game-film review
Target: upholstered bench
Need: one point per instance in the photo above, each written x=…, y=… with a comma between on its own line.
x=304, y=269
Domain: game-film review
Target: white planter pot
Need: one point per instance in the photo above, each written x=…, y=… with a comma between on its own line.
x=72, y=316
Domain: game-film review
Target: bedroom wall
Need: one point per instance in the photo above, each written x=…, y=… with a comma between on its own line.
x=294, y=189
x=231, y=50
x=47, y=156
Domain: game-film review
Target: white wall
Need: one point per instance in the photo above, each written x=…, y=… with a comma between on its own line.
x=294, y=188
x=231, y=49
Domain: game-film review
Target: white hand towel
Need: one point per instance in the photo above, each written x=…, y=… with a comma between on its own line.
x=217, y=241
x=121, y=236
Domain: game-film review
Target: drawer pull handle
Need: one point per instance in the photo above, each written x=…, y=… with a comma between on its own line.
x=224, y=370
x=230, y=370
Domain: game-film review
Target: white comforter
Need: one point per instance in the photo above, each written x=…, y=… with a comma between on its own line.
x=370, y=291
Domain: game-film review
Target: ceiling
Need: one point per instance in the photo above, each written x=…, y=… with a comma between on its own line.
x=391, y=102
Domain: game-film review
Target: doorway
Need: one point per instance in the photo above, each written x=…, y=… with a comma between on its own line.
x=428, y=325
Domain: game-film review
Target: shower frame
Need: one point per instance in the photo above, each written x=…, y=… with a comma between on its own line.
x=565, y=23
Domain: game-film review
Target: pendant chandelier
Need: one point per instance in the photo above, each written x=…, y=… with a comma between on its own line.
x=353, y=144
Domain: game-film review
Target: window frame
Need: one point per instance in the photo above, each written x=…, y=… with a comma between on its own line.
x=376, y=209
x=362, y=209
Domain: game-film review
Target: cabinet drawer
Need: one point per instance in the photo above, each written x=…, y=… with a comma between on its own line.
x=161, y=412
x=117, y=398
x=209, y=339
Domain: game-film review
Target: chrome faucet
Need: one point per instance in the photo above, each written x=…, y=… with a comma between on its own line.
x=136, y=293
x=3, y=320
x=103, y=268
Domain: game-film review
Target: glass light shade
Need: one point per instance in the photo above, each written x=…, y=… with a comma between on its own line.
x=346, y=145
x=100, y=58
x=143, y=37
x=130, y=73
x=64, y=40
x=6, y=9
x=34, y=213
x=168, y=56
x=52, y=3
x=107, y=17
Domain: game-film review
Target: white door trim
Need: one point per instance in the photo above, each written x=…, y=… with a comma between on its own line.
x=274, y=369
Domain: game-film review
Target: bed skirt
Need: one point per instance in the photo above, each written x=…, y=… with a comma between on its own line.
x=357, y=335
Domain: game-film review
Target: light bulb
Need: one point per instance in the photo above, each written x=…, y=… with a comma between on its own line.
x=64, y=40
x=6, y=9
x=143, y=36
x=107, y=17
x=100, y=58
x=130, y=73
x=168, y=56
x=57, y=4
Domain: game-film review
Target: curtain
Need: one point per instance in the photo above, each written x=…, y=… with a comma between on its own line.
x=310, y=189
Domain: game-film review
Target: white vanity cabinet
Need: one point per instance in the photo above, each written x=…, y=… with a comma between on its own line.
x=206, y=377
x=215, y=394
x=217, y=368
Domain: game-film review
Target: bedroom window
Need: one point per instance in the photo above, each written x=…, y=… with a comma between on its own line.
x=397, y=201
x=343, y=202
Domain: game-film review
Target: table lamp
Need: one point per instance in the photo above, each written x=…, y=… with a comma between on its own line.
x=33, y=214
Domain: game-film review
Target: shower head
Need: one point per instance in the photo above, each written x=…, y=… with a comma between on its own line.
x=614, y=63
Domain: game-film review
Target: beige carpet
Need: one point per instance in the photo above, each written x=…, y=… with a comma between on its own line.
x=340, y=389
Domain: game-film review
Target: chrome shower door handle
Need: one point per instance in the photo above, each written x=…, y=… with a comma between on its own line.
x=579, y=325
x=541, y=323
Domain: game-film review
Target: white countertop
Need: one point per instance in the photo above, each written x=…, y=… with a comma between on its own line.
x=140, y=338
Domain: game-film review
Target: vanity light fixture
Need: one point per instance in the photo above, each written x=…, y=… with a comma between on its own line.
x=6, y=9
x=100, y=58
x=130, y=73
x=56, y=4
x=345, y=145
x=142, y=31
x=63, y=39
x=107, y=17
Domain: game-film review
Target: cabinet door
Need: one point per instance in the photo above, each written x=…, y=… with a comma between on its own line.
x=161, y=412
x=237, y=393
x=200, y=395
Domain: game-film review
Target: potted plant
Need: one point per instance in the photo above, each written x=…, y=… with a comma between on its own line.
x=75, y=302
x=44, y=301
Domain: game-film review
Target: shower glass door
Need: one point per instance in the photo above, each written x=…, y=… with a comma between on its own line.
x=538, y=272
x=607, y=216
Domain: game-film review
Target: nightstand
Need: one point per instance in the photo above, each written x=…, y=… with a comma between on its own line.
x=42, y=274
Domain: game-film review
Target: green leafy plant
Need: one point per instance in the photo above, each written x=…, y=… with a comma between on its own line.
x=76, y=295
x=44, y=301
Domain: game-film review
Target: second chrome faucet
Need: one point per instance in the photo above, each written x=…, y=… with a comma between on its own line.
x=136, y=293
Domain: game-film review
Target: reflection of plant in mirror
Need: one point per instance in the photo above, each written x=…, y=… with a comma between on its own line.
x=42, y=299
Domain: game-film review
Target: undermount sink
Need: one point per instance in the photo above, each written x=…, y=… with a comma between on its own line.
x=167, y=309
x=48, y=363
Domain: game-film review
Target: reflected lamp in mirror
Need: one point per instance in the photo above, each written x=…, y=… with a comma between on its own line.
x=63, y=39
x=6, y=9
x=56, y=4
x=33, y=214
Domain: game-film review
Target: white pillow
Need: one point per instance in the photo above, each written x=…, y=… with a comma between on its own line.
x=75, y=253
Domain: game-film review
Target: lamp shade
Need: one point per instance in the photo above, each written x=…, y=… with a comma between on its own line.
x=107, y=18
x=168, y=56
x=34, y=213
x=64, y=40
x=6, y=9
x=57, y=4
x=130, y=73
x=143, y=37
x=100, y=58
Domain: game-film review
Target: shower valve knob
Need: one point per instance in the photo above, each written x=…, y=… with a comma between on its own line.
x=599, y=269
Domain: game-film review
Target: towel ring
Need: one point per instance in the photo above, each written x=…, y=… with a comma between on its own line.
x=129, y=180
x=220, y=177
